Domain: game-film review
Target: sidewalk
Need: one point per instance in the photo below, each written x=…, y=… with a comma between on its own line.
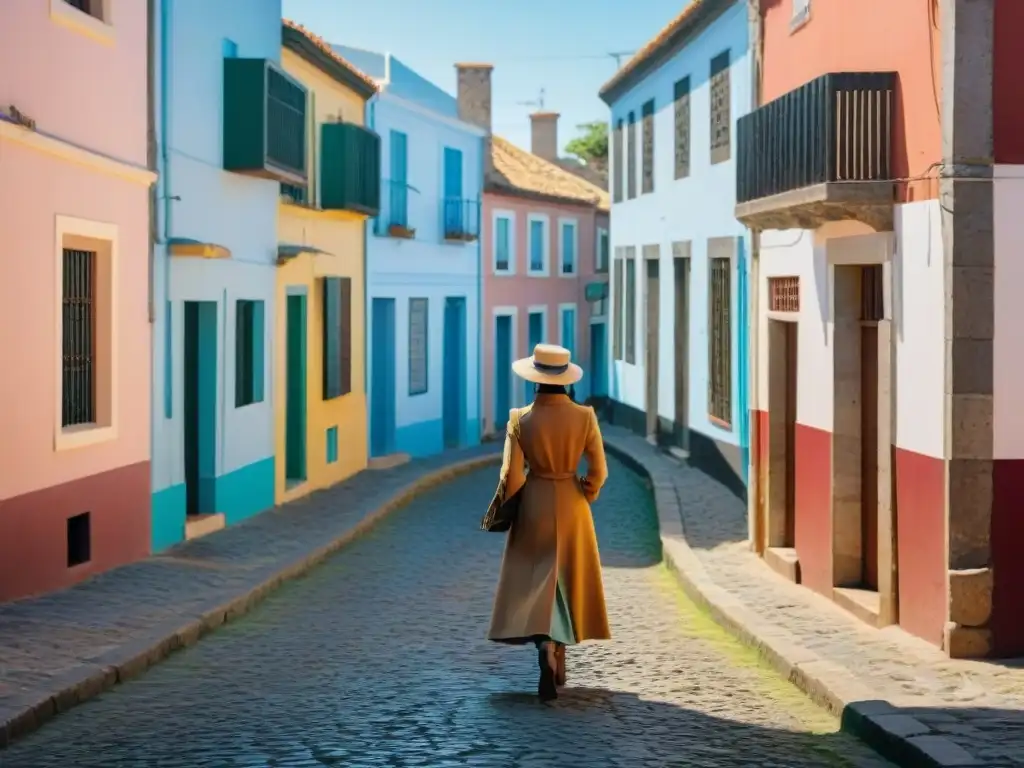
x=903, y=696
x=61, y=649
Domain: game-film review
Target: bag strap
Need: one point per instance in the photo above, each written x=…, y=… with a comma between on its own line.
x=514, y=421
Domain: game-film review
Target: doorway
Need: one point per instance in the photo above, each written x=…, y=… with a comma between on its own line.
x=681, y=351
x=295, y=414
x=454, y=405
x=651, y=341
x=503, y=346
x=382, y=378
x=536, y=322
x=782, y=400
x=598, y=358
x=200, y=413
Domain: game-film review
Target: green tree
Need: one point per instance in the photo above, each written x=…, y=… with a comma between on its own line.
x=591, y=146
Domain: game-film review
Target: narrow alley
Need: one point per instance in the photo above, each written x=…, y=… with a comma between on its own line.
x=378, y=658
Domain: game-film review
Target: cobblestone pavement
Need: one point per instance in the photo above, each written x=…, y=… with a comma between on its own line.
x=377, y=658
x=977, y=705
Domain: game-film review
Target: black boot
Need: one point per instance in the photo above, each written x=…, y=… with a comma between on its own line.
x=546, y=689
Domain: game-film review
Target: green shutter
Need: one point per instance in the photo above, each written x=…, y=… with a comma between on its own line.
x=244, y=380
x=332, y=341
x=258, y=345
x=345, y=332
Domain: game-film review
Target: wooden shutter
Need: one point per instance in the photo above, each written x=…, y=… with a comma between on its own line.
x=332, y=337
x=345, y=335
x=721, y=113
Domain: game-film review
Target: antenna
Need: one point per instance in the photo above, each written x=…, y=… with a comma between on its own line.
x=538, y=102
x=619, y=55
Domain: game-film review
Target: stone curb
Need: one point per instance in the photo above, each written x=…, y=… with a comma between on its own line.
x=897, y=737
x=132, y=659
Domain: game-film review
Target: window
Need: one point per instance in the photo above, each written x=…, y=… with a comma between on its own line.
x=601, y=252
x=567, y=327
x=337, y=332
x=720, y=340
x=248, y=352
x=618, y=305
x=567, y=247
x=630, y=305
x=93, y=8
x=417, y=346
x=89, y=18
x=79, y=539
x=504, y=243
x=304, y=194
x=539, y=246
x=617, y=163
x=331, y=449
x=682, y=101
x=631, y=157
x=720, y=110
x=801, y=13
x=78, y=401
x=647, y=182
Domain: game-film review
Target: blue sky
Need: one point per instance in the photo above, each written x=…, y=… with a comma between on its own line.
x=558, y=45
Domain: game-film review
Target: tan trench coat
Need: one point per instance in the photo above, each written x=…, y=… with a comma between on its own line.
x=551, y=568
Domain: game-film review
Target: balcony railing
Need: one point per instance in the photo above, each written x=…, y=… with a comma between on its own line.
x=460, y=219
x=393, y=219
x=836, y=128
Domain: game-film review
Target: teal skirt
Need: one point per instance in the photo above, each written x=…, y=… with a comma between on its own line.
x=561, y=623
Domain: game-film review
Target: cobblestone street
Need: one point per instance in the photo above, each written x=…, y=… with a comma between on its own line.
x=377, y=658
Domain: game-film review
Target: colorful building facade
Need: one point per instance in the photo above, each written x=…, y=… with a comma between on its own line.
x=542, y=248
x=680, y=258
x=319, y=332
x=423, y=267
x=74, y=326
x=885, y=349
x=231, y=126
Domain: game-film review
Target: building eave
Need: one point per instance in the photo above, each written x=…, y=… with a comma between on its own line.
x=301, y=45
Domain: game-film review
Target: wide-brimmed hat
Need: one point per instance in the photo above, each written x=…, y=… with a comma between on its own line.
x=549, y=364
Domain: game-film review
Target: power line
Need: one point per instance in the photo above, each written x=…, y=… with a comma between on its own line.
x=618, y=55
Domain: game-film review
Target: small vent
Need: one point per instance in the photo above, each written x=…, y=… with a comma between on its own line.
x=784, y=294
x=79, y=540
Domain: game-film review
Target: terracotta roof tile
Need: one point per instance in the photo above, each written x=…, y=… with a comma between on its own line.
x=519, y=171
x=324, y=46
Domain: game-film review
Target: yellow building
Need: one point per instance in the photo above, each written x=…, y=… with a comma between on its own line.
x=320, y=420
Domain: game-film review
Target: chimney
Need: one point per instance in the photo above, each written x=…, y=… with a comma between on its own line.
x=544, y=135
x=474, y=99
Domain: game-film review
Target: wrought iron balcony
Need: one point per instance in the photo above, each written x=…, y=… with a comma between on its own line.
x=394, y=219
x=460, y=219
x=822, y=152
x=264, y=121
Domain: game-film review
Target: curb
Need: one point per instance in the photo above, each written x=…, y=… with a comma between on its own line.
x=28, y=714
x=896, y=736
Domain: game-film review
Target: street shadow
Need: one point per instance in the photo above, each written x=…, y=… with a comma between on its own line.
x=599, y=726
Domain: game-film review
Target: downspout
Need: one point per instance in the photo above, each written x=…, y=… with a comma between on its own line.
x=484, y=144
x=371, y=120
x=755, y=500
x=151, y=163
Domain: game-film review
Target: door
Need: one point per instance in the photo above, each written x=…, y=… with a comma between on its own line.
x=382, y=378
x=534, y=337
x=453, y=207
x=295, y=391
x=569, y=330
x=681, y=352
x=869, y=455
x=200, y=415
x=598, y=360
x=651, y=348
x=791, y=330
x=454, y=405
x=502, y=370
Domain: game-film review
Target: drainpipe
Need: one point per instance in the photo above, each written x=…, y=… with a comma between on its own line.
x=371, y=120
x=480, y=297
x=151, y=159
x=755, y=518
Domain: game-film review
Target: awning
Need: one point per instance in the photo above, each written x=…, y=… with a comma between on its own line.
x=596, y=291
x=184, y=246
x=288, y=251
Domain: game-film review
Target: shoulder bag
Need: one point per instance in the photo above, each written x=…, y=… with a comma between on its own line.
x=502, y=512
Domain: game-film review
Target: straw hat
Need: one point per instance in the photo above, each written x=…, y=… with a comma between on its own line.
x=550, y=364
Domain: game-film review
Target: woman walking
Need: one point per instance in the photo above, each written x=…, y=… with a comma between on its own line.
x=550, y=591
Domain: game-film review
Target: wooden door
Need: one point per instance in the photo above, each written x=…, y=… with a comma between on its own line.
x=869, y=455
x=651, y=347
x=791, y=380
x=681, y=332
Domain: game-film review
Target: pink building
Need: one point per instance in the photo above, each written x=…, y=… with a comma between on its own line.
x=74, y=272
x=544, y=257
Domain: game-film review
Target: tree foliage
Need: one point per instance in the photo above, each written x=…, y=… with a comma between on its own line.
x=591, y=146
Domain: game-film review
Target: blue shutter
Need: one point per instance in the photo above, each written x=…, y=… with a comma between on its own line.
x=568, y=248
x=569, y=330
x=398, y=196
x=453, y=204
x=536, y=245
x=258, y=345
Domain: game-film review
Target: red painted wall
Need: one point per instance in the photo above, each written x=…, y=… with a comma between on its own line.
x=921, y=543
x=813, y=451
x=1008, y=566
x=1008, y=82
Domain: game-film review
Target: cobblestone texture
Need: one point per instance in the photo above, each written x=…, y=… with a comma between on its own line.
x=977, y=708
x=59, y=649
x=378, y=658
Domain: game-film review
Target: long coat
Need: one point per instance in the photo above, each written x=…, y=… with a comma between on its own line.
x=550, y=583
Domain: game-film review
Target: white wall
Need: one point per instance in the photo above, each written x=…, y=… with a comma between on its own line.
x=1008, y=351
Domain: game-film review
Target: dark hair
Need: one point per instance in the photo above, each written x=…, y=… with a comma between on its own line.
x=556, y=389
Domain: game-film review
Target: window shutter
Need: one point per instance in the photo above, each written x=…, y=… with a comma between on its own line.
x=258, y=345
x=332, y=341
x=345, y=331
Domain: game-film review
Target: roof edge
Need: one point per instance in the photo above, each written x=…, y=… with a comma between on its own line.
x=675, y=35
x=300, y=42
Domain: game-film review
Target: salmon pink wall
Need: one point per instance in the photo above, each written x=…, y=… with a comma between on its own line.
x=1008, y=83
x=522, y=291
x=35, y=187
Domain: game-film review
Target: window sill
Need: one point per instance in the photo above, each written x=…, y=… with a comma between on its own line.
x=82, y=436
x=537, y=273
x=568, y=274
x=799, y=22
x=81, y=22
x=720, y=423
x=504, y=273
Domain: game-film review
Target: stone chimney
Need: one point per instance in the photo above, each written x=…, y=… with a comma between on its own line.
x=474, y=98
x=544, y=135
